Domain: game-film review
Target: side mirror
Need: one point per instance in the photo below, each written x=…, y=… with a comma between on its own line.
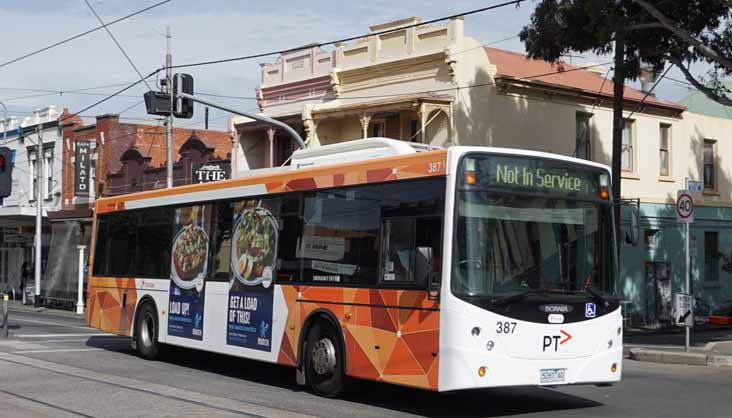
x=633, y=234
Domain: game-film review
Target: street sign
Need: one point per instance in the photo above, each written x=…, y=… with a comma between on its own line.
x=683, y=312
x=684, y=207
x=694, y=186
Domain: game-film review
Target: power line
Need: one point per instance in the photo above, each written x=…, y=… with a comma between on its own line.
x=109, y=32
x=648, y=93
x=352, y=38
x=46, y=48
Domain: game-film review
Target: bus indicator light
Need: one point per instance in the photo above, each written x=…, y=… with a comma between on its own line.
x=614, y=367
x=470, y=177
x=481, y=371
x=604, y=194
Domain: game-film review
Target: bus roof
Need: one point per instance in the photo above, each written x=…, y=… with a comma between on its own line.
x=363, y=165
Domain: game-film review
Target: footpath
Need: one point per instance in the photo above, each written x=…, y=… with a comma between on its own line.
x=710, y=346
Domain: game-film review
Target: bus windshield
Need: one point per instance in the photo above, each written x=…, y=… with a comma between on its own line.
x=514, y=242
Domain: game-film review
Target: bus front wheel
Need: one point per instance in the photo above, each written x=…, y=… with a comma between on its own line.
x=324, y=360
x=146, y=332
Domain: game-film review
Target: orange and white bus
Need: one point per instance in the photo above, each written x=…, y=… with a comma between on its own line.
x=446, y=269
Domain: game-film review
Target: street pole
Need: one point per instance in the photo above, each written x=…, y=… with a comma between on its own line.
x=80, y=295
x=687, y=283
x=39, y=213
x=5, y=123
x=618, y=123
x=169, y=125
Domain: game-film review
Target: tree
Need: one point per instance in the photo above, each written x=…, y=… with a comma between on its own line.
x=639, y=33
x=656, y=32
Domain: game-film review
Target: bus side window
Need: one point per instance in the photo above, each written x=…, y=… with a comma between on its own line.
x=101, y=247
x=401, y=239
x=289, y=265
x=122, y=243
x=398, y=250
x=221, y=241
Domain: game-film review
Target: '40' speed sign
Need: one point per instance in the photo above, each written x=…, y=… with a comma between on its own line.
x=684, y=207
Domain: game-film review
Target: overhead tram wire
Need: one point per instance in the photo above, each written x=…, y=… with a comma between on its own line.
x=46, y=48
x=648, y=93
x=109, y=32
x=352, y=38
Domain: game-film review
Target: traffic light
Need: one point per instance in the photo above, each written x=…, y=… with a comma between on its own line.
x=157, y=103
x=6, y=172
x=182, y=107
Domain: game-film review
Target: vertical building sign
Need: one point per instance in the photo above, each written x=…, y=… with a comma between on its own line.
x=188, y=269
x=82, y=169
x=253, y=259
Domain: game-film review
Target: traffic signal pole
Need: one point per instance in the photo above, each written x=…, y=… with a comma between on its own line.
x=260, y=118
x=169, y=124
x=39, y=213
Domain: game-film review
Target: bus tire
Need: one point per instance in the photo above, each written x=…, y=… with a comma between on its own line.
x=324, y=360
x=146, y=331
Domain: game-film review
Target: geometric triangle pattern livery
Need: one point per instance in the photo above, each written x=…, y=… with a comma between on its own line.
x=104, y=308
x=391, y=335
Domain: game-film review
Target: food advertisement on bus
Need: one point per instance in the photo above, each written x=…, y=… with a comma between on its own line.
x=251, y=290
x=188, y=269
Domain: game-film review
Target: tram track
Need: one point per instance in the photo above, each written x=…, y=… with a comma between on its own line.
x=46, y=404
x=152, y=389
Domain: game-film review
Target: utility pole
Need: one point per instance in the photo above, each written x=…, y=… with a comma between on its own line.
x=169, y=124
x=618, y=122
x=39, y=212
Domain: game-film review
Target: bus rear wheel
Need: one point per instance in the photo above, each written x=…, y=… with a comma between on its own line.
x=324, y=366
x=146, y=332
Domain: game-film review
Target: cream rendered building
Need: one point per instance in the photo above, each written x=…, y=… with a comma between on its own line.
x=432, y=84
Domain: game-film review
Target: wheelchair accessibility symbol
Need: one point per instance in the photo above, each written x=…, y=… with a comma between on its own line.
x=590, y=310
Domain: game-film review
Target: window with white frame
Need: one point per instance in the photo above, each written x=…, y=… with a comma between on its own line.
x=48, y=167
x=627, y=154
x=32, y=177
x=664, y=149
x=710, y=175
x=582, y=140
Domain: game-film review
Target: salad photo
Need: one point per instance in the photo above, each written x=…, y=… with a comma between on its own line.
x=254, y=246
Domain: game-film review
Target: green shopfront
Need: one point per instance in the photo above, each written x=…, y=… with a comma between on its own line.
x=653, y=271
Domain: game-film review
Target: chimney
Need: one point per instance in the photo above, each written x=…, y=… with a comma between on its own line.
x=647, y=79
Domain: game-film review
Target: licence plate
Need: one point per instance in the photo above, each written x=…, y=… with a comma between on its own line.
x=552, y=375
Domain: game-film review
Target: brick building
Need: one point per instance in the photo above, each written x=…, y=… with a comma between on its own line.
x=121, y=158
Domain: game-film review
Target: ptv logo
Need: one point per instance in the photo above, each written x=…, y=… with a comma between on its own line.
x=554, y=341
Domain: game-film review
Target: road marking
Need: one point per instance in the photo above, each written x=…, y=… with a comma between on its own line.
x=233, y=406
x=49, y=323
x=101, y=334
x=58, y=350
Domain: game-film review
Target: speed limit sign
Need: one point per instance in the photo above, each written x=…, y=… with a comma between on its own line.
x=684, y=207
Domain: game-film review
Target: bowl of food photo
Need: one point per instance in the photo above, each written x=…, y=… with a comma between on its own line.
x=254, y=246
x=190, y=256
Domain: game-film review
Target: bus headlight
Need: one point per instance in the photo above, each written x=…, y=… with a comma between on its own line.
x=489, y=345
x=609, y=344
x=475, y=331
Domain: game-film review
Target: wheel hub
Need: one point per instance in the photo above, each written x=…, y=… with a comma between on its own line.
x=324, y=356
x=147, y=331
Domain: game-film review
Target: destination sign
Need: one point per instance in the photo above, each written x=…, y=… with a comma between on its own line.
x=531, y=174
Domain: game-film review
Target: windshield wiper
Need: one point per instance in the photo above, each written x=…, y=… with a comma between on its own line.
x=505, y=300
x=596, y=295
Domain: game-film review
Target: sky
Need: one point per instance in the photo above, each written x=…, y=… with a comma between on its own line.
x=202, y=31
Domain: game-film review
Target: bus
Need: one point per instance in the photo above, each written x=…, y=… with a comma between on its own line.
x=440, y=269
